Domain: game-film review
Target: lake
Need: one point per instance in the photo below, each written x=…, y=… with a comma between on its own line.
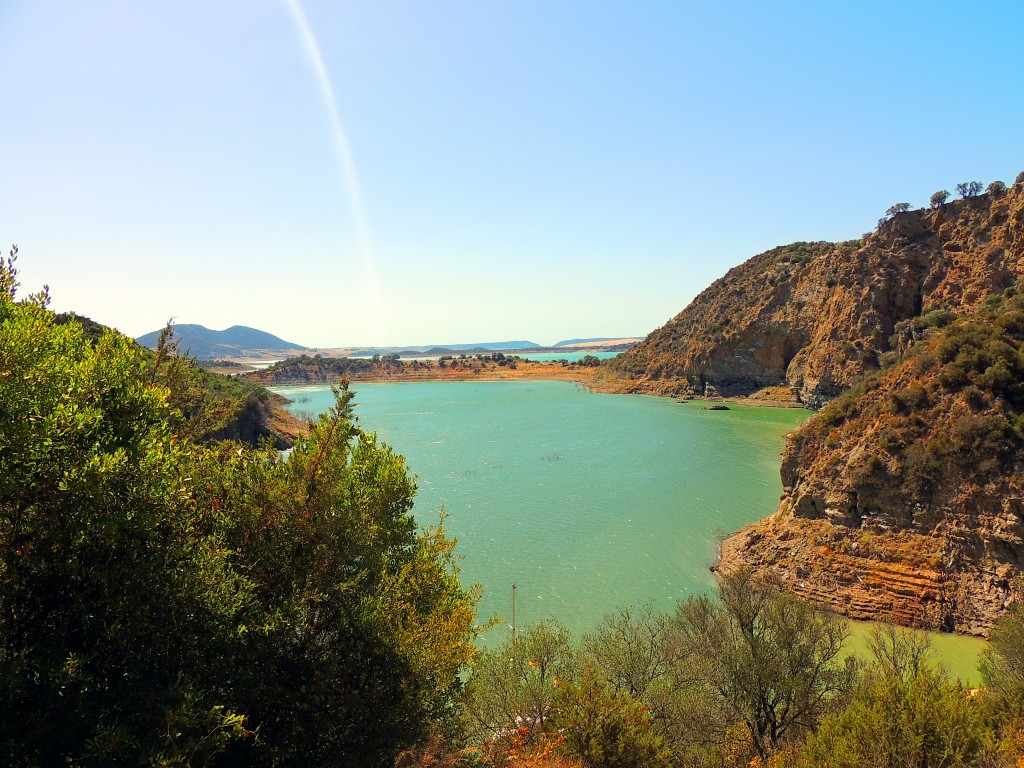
x=585, y=501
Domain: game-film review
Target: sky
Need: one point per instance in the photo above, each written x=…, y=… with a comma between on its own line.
x=396, y=173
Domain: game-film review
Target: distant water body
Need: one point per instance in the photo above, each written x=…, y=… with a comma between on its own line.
x=570, y=356
x=587, y=502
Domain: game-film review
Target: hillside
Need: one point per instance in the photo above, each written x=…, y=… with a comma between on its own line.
x=816, y=316
x=237, y=341
x=904, y=499
x=219, y=407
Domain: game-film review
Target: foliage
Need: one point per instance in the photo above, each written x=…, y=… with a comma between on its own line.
x=754, y=678
x=516, y=683
x=938, y=199
x=892, y=212
x=905, y=712
x=1002, y=662
x=969, y=189
x=996, y=188
x=607, y=727
x=946, y=416
x=318, y=368
x=165, y=601
x=630, y=648
x=772, y=661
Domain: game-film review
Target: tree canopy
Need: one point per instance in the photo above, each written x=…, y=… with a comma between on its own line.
x=168, y=601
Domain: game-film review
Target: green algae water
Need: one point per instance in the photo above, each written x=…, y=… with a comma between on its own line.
x=957, y=653
x=587, y=502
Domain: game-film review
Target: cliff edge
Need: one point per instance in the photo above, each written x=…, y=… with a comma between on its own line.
x=903, y=499
x=817, y=316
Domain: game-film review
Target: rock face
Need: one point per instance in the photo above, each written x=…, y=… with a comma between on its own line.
x=259, y=417
x=817, y=316
x=904, y=499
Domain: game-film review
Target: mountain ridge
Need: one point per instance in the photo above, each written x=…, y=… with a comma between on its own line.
x=237, y=341
x=816, y=316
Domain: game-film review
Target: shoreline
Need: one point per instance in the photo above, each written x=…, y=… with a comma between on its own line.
x=595, y=378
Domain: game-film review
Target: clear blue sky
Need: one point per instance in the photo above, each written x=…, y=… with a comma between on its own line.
x=473, y=171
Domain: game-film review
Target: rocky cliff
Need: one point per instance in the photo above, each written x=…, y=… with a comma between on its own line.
x=817, y=316
x=904, y=498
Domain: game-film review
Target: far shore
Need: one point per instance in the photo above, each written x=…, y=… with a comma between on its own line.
x=596, y=378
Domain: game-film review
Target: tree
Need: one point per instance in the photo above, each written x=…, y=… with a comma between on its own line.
x=772, y=661
x=639, y=657
x=1002, y=662
x=969, y=189
x=608, y=728
x=939, y=199
x=905, y=712
x=893, y=211
x=996, y=188
x=629, y=648
x=516, y=683
x=168, y=601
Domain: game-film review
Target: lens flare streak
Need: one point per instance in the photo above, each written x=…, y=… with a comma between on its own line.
x=343, y=151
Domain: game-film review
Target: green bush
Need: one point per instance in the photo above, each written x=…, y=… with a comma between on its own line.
x=165, y=601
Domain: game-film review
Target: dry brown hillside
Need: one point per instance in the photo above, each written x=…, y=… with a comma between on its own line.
x=817, y=316
x=904, y=498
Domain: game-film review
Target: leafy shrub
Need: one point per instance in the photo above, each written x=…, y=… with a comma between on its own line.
x=167, y=601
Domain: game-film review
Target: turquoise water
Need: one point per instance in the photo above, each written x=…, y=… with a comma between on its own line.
x=958, y=654
x=586, y=501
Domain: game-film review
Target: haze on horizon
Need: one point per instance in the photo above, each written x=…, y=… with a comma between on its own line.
x=395, y=173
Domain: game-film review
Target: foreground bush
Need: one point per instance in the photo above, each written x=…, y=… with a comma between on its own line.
x=169, y=602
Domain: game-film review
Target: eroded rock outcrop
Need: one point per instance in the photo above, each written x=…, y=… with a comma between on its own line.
x=818, y=316
x=904, y=498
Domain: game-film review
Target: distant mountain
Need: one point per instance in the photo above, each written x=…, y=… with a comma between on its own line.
x=494, y=345
x=237, y=341
x=608, y=343
x=446, y=349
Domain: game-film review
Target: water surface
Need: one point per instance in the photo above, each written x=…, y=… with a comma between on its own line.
x=587, y=502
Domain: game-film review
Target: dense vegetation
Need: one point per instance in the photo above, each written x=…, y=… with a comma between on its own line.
x=752, y=678
x=165, y=600
x=316, y=368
